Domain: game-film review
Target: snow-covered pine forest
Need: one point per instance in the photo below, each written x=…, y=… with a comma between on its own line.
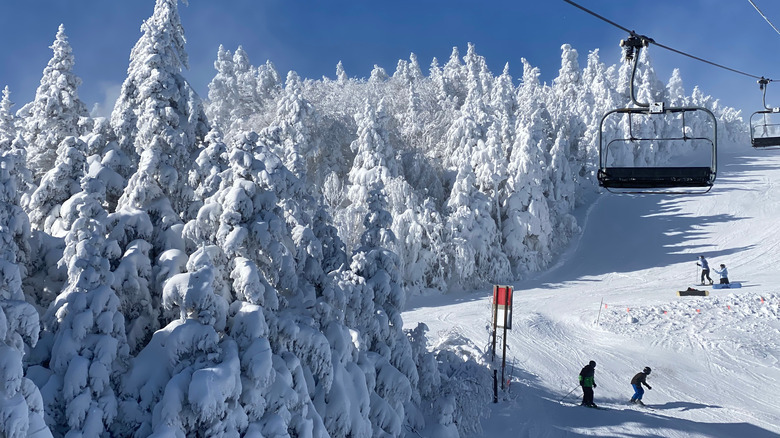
x=236, y=264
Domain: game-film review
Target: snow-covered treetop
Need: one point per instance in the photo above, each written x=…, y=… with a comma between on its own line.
x=7, y=128
x=56, y=111
x=163, y=35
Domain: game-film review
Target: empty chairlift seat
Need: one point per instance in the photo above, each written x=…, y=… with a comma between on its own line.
x=694, y=174
x=765, y=124
x=655, y=177
x=765, y=128
x=650, y=134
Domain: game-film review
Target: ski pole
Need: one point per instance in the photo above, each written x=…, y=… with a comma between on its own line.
x=567, y=394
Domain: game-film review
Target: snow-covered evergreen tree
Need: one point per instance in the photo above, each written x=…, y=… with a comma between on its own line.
x=104, y=160
x=89, y=348
x=453, y=77
x=56, y=112
x=7, y=121
x=568, y=108
x=473, y=121
x=246, y=94
x=504, y=103
x=425, y=393
x=561, y=195
x=269, y=83
x=159, y=116
x=222, y=90
x=195, y=389
x=12, y=143
x=490, y=169
x=599, y=97
x=290, y=134
x=132, y=230
x=272, y=285
x=61, y=182
x=390, y=371
x=374, y=162
x=21, y=405
x=527, y=224
x=206, y=174
x=473, y=236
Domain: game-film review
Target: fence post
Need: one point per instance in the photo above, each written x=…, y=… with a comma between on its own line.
x=600, y=306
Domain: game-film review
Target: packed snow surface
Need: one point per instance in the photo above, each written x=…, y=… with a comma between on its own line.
x=612, y=298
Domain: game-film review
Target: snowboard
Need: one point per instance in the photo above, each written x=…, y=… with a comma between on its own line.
x=692, y=292
x=733, y=285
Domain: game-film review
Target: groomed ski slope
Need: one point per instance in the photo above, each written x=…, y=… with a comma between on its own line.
x=715, y=359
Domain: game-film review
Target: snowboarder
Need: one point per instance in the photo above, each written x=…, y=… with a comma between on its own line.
x=588, y=382
x=637, y=382
x=705, y=269
x=724, y=274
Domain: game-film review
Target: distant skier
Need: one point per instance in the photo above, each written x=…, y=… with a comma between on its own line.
x=724, y=274
x=705, y=269
x=637, y=382
x=588, y=382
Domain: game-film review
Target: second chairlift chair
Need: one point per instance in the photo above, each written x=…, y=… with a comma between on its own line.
x=765, y=124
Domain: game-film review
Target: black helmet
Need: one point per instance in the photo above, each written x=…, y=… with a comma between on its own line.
x=592, y=363
x=722, y=265
x=646, y=370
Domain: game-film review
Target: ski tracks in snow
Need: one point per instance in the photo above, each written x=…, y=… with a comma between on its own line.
x=727, y=344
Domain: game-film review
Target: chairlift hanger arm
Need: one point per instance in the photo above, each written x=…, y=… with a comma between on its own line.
x=763, y=84
x=632, y=45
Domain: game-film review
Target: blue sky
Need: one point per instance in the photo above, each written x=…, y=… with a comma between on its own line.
x=311, y=37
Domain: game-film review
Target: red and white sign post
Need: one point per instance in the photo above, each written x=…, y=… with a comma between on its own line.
x=502, y=318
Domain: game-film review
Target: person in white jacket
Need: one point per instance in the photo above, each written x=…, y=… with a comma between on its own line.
x=724, y=274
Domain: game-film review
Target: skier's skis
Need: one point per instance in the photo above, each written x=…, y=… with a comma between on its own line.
x=586, y=406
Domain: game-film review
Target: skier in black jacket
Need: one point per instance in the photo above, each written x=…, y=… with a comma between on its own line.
x=637, y=382
x=588, y=382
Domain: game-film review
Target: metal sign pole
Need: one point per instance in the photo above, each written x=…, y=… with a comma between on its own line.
x=495, y=319
x=503, y=355
x=507, y=309
x=495, y=329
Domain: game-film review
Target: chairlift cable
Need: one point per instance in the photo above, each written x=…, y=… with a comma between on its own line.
x=764, y=16
x=652, y=41
x=602, y=18
x=709, y=62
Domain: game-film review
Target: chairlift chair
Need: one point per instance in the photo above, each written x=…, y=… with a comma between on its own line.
x=695, y=177
x=765, y=124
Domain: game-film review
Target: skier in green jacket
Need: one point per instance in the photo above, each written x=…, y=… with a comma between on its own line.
x=588, y=382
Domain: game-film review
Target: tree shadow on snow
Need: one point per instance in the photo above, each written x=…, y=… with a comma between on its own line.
x=628, y=233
